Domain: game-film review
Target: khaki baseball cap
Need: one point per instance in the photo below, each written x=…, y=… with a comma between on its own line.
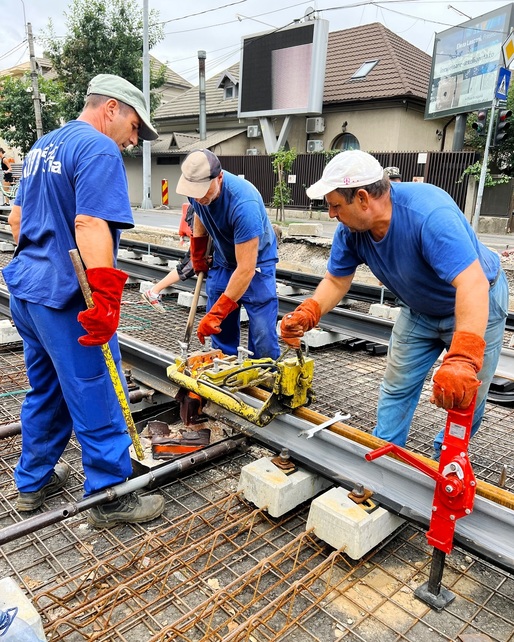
x=353, y=168
x=121, y=89
x=199, y=168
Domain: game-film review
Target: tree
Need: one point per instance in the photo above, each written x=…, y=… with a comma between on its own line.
x=104, y=36
x=501, y=157
x=282, y=162
x=17, y=121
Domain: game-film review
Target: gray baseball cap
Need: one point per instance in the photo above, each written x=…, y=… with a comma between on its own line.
x=121, y=89
x=199, y=169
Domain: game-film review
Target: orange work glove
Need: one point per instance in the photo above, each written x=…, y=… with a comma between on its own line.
x=456, y=382
x=198, y=254
x=101, y=321
x=304, y=318
x=210, y=324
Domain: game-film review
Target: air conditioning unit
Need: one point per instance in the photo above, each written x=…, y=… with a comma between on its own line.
x=314, y=146
x=253, y=131
x=253, y=151
x=315, y=125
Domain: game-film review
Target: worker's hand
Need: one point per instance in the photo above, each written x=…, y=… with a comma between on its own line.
x=201, y=261
x=211, y=322
x=456, y=381
x=304, y=318
x=101, y=321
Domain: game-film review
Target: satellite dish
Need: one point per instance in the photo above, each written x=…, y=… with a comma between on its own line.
x=309, y=13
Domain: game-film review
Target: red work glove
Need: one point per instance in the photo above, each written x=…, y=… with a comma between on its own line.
x=304, y=318
x=456, y=382
x=198, y=254
x=101, y=321
x=210, y=324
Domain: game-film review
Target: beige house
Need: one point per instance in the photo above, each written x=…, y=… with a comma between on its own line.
x=375, y=90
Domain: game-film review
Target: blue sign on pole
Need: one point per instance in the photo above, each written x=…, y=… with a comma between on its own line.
x=502, y=84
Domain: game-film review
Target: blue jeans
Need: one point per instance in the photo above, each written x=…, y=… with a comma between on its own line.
x=261, y=303
x=416, y=342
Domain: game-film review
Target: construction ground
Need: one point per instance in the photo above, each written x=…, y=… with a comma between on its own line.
x=215, y=568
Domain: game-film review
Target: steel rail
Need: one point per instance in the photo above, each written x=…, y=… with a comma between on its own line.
x=338, y=452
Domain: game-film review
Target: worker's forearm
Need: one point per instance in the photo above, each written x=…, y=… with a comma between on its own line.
x=331, y=290
x=238, y=283
x=94, y=241
x=471, y=300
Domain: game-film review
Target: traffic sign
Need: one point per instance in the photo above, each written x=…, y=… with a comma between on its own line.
x=508, y=50
x=502, y=84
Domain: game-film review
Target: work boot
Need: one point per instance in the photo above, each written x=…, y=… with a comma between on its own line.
x=127, y=509
x=31, y=501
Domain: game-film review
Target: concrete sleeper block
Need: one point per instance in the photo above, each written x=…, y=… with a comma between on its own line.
x=266, y=486
x=340, y=522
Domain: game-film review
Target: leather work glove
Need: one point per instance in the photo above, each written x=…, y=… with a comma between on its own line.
x=456, y=382
x=210, y=324
x=101, y=321
x=198, y=250
x=304, y=318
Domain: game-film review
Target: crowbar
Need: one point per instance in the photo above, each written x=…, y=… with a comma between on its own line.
x=109, y=361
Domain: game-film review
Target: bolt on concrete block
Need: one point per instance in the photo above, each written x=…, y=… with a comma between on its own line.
x=266, y=486
x=339, y=521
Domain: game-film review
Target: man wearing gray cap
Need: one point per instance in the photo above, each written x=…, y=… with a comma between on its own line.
x=231, y=211
x=73, y=194
x=453, y=292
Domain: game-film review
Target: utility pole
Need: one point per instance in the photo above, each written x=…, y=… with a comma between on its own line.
x=147, y=150
x=201, y=88
x=35, y=85
x=483, y=172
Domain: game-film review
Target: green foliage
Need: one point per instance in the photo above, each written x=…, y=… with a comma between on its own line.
x=17, y=117
x=475, y=170
x=103, y=36
x=282, y=162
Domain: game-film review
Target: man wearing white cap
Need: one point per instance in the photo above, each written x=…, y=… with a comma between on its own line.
x=230, y=210
x=73, y=194
x=453, y=291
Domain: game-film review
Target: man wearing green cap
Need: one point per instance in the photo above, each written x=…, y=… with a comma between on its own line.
x=73, y=194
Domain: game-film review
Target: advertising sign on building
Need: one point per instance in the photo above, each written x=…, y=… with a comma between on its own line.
x=465, y=64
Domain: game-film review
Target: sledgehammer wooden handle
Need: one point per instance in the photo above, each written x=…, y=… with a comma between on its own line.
x=109, y=361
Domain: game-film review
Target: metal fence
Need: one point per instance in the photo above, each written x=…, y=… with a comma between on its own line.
x=443, y=169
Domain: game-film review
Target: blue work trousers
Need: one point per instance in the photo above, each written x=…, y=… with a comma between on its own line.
x=260, y=302
x=70, y=390
x=416, y=342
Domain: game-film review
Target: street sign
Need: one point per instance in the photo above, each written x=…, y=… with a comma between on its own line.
x=508, y=50
x=502, y=84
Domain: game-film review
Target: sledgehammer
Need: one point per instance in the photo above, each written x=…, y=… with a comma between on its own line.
x=109, y=361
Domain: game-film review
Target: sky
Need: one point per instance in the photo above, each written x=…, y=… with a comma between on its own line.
x=217, y=26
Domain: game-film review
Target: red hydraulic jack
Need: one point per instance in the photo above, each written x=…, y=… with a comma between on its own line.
x=453, y=497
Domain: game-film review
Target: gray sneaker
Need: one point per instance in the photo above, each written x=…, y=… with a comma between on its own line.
x=128, y=509
x=32, y=501
x=154, y=300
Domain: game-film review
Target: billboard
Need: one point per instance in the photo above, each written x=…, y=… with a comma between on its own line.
x=283, y=71
x=465, y=64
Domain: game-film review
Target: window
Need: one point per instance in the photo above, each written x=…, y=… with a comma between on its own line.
x=364, y=69
x=346, y=142
x=230, y=91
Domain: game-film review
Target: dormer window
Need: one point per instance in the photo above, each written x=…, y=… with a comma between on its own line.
x=230, y=84
x=364, y=69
